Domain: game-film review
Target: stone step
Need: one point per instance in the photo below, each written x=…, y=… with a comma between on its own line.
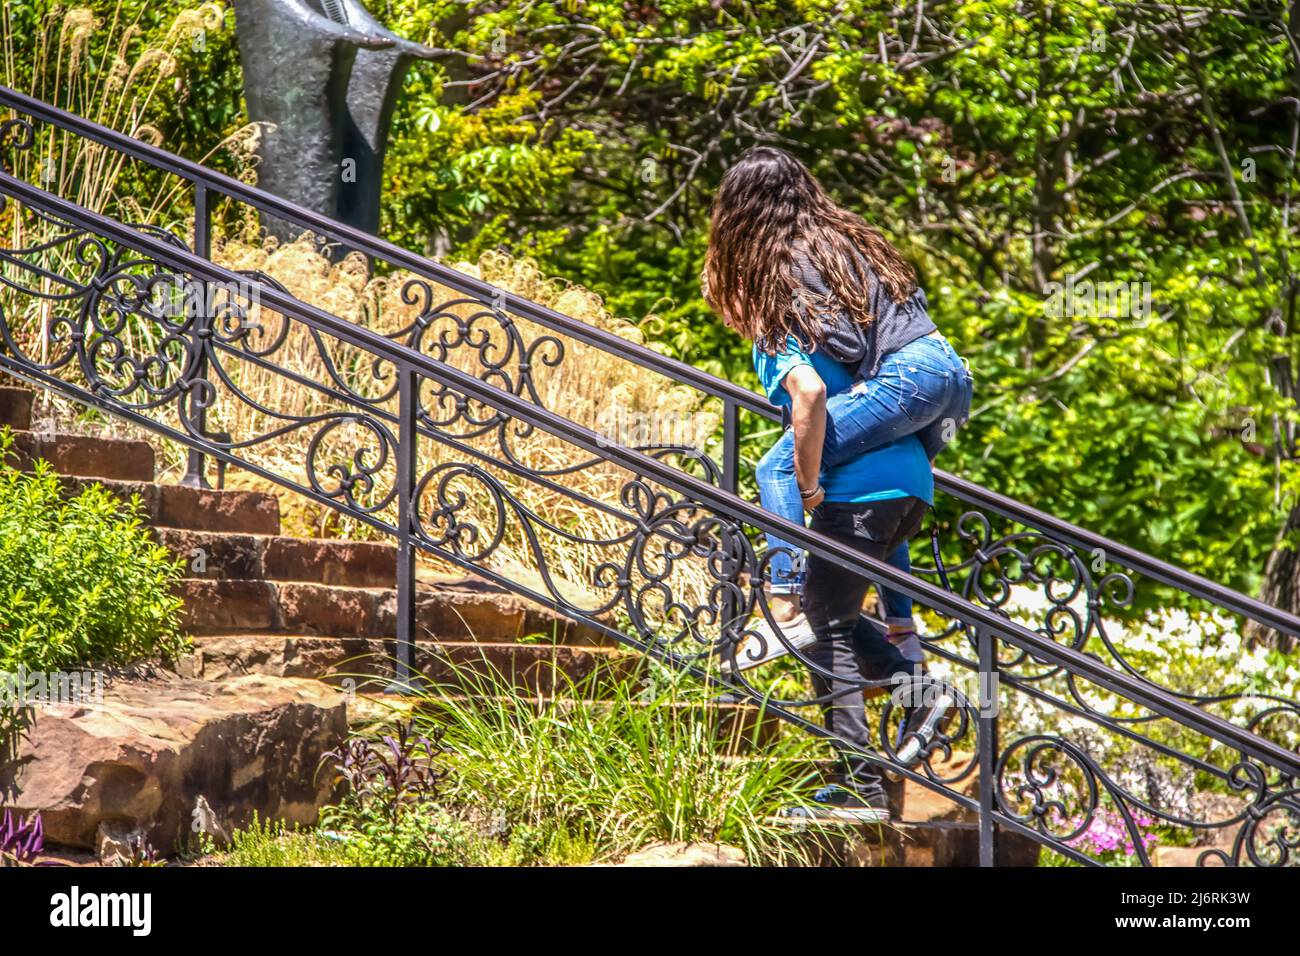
x=16, y=407
x=528, y=668
x=299, y=607
x=470, y=609
x=216, y=606
x=1201, y=855
x=908, y=843
x=214, y=555
x=198, y=509
x=929, y=829
x=138, y=758
x=914, y=804
x=119, y=459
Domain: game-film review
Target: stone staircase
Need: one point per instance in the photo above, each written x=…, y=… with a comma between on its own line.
x=257, y=602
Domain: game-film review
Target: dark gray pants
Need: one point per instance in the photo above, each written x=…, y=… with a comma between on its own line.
x=850, y=646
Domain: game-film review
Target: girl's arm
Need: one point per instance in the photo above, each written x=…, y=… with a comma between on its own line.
x=808, y=417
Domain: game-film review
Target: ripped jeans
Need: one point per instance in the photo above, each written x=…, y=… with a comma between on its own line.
x=924, y=389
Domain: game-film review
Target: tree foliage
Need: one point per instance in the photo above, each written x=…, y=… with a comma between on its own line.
x=1005, y=145
x=1012, y=148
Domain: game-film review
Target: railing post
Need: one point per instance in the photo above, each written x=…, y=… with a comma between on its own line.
x=730, y=447
x=730, y=480
x=201, y=331
x=406, y=466
x=987, y=678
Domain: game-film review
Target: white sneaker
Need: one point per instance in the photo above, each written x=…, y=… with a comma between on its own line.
x=920, y=727
x=763, y=644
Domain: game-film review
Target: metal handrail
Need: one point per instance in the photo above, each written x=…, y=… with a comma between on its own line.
x=637, y=354
x=731, y=394
x=406, y=359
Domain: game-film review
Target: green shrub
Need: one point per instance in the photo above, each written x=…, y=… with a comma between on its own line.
x=265, y=843
x=389, y=814
x=606, y=768
x=81, y=581
x=426, y=837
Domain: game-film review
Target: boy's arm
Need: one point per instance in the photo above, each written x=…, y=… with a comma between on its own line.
x=808, y=417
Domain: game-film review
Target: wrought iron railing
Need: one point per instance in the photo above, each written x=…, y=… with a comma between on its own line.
x=468, y=466
x=209, y=185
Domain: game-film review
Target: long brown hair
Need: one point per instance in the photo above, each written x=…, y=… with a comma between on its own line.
x=769, y=205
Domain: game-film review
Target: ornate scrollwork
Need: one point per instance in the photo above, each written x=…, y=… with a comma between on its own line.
x=1268, y=837
x=679, y=578
x=487, y=337
x=1076, y=596
x=488, y=343
x=356, y=478
x=15, y=134
x=1041, y=795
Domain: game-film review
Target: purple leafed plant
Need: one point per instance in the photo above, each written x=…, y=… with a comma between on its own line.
x=22, y=841
x=396, y=771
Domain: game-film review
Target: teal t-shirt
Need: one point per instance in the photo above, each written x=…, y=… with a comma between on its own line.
x=897, y=470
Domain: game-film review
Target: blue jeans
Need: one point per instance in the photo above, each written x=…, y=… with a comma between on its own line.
x=922, y=389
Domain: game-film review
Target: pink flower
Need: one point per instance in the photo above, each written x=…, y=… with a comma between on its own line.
x=1107, y=832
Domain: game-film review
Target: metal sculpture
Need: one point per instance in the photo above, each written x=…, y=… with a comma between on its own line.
x=324, y=76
